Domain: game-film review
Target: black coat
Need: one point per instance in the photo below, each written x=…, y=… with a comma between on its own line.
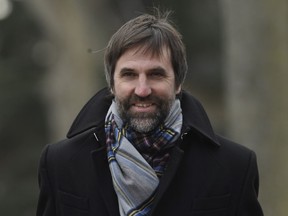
x=207, y=175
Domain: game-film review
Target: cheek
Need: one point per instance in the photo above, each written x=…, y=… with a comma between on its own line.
x=122, y=90
x=168, y=89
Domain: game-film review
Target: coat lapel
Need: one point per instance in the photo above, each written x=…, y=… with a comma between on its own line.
x=175, y=159
x=105, y=181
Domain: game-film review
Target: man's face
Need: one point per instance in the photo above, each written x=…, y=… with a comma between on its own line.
x=144, y=88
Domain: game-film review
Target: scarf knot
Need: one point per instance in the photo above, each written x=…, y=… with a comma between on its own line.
x=154, y=147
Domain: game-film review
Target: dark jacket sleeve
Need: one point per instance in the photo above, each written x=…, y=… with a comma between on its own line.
x=46, y=203
x=249, y=205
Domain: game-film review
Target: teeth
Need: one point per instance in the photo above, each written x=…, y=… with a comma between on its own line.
x=142, y=105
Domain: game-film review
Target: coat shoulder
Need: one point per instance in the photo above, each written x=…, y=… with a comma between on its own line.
x=232, y=146
x=61, y=152
x=232, y=153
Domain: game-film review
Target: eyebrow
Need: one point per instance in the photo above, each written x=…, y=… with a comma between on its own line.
x=126, y=69
x=154, y=69
x=157, y=69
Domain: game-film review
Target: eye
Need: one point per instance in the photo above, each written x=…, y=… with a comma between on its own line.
x=126, y=73
x=158, y=73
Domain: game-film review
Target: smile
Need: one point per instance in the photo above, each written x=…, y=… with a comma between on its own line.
x=143, y=105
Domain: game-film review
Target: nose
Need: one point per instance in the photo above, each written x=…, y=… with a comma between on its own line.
x=142, y=88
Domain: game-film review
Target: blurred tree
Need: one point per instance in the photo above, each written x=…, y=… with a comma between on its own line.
x=256, y=42
x=22, y=114
x=71, y=80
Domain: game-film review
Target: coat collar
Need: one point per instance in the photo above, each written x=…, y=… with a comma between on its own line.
x=196, y=119
x=94, y=112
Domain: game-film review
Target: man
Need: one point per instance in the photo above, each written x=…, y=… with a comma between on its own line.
x=144, y=146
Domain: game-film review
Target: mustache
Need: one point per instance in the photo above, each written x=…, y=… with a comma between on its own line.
x=126, y=103
x=151, y=98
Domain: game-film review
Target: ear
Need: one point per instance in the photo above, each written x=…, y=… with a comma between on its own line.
x=111, y=88
x=178, y=89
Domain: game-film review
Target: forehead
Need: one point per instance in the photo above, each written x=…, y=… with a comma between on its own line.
x=143, y=52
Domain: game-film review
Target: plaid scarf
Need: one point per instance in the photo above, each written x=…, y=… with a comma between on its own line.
x=134, y=174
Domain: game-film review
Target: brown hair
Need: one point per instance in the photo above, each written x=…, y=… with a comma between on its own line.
x=151, y=33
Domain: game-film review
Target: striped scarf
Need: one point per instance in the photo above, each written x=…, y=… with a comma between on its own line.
x=134, y=175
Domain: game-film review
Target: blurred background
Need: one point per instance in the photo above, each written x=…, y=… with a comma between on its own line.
x=238, y=68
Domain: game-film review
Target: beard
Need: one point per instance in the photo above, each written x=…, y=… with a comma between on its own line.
x=143, y=122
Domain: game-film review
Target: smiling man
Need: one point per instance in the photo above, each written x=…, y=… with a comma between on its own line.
x=144, y=146
x=144, y=88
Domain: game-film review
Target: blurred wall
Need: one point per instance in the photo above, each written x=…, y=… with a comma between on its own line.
x=256, y=65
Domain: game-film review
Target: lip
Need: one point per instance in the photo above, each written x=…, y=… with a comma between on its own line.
x=143, y=107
